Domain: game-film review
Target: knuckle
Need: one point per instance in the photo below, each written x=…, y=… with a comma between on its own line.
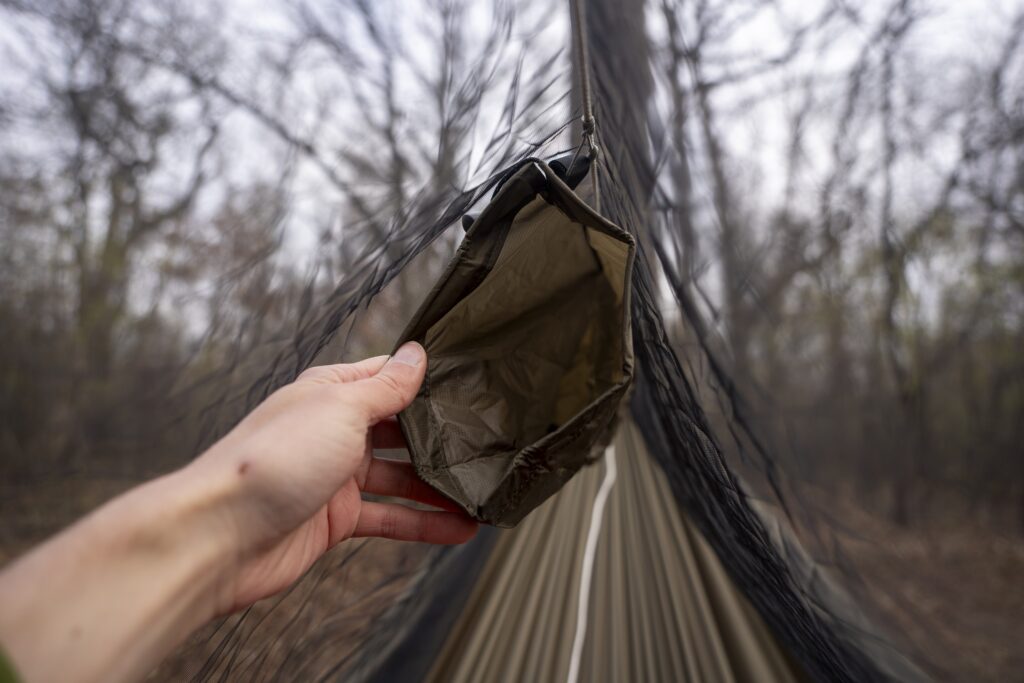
x=318, y=374
x=389, y=524
x=390, y=384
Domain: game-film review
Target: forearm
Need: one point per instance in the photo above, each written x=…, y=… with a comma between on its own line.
x=113, y=594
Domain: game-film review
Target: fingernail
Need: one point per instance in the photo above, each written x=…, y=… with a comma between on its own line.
x=410, y=353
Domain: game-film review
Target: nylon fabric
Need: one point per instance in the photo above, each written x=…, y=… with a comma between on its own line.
x=529, y=349
x=662, y=607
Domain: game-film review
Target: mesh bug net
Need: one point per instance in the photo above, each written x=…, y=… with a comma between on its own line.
x=579, y=389
x=508, y=606
x=450, y=614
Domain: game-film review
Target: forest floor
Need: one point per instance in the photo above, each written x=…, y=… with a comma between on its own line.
x=956, y=596
x=959, y=600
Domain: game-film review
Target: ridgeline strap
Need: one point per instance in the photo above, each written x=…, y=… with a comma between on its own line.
x=583, y=64
x=589, y=123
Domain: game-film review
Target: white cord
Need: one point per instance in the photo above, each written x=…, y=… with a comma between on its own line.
x=589, y=553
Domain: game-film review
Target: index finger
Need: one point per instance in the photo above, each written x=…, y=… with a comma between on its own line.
x=343, y=373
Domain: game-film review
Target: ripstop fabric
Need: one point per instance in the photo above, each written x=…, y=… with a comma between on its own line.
x=529, y=349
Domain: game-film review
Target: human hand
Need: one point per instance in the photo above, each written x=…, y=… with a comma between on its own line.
x=109, y=597
x=300, y=462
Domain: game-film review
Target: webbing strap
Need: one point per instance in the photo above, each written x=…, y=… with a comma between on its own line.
x=589, y=123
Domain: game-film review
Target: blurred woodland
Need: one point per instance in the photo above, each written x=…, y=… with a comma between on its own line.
x=181, y=182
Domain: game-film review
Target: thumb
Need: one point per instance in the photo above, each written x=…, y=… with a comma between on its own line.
x=395, y=385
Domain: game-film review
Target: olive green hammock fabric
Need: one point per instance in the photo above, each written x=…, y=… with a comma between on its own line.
x=530, y=349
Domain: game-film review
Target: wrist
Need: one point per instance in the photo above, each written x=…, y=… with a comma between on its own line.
x=202, y=507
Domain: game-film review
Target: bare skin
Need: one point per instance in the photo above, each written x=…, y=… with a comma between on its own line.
x=112, y=595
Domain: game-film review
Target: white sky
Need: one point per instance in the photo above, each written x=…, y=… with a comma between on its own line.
x=956, y=37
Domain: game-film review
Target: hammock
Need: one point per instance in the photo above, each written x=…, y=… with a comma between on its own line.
x=612, y=578
x=653, y=562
